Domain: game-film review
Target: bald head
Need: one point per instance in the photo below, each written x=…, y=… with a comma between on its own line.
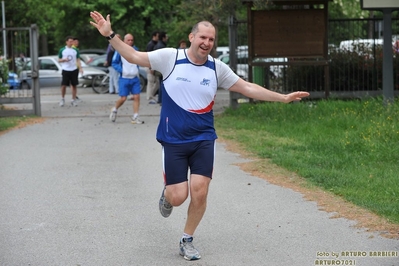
x=129, y=39
x=204, y=23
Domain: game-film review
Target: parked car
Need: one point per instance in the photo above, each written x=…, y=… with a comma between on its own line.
x=221, y=50
x=363, y=47
x=50, y=73
x=242, y=63
x=13, y=81
x=93, y=51
x=87, y=57
x=98, y=62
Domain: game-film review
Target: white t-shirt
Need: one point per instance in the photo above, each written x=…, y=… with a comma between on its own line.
x=163, y=60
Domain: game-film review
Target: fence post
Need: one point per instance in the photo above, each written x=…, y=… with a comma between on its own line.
x=387, y=61
x=34, y=51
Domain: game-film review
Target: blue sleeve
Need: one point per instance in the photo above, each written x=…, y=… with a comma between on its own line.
x=117, y=62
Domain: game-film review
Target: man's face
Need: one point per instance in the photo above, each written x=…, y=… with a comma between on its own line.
x=129, y=40
x=69, y=42
x=202, y=41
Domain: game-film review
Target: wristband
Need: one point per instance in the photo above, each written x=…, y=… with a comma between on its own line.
x=110, y=36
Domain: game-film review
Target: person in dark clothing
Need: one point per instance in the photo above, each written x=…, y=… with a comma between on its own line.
x=152, y=80
x=162, y=40
x=154, y=40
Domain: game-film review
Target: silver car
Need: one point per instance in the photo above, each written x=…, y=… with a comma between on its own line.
x=50, y=73
x=242, y=64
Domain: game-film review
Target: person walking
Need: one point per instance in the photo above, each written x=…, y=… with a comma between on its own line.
x=152, y=80
x=76, y=46
x=162, y=40
x=70, y=63
x=113, y=74
x=186, y=126
x=129, y=81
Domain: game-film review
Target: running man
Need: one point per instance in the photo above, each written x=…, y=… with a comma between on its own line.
x=186, y=127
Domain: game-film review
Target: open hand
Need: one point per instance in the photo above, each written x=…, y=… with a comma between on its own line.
x=102, y=25
x=296, y=96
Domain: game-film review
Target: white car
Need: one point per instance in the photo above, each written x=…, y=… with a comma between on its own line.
x=242, y=64
x=363, y=47
x=50, y=73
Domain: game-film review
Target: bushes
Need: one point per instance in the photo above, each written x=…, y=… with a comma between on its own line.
x=3, y=76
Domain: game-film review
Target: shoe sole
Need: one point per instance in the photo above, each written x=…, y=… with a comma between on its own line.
x=164, y=214
x=188, y=258
x=161, y=201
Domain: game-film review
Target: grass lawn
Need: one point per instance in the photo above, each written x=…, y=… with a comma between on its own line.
x=350, y=148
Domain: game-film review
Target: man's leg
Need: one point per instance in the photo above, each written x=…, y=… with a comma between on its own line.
x=152, y=86
x=136, y=103
x=199, y=186
x=120, y=102
x=111, y=80
x=176, y=194
x=114, y=110
x=63, y=91
x=74, y=92
x=136, y=89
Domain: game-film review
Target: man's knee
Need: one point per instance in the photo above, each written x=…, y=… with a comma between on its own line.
x=199, y=186
x=176, y=194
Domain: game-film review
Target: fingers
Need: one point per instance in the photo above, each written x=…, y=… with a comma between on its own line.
x=97, y=17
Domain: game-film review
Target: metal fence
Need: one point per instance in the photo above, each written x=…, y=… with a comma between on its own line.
x=354, y=62
x=17, y=43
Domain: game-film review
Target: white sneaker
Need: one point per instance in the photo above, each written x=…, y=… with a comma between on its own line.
x=137, y=121
x=113, y=114
x=74, y=103
x=62, y=102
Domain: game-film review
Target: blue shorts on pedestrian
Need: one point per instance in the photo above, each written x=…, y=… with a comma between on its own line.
x=129, y=86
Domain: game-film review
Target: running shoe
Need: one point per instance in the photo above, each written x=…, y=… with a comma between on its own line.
x=113, y=114
x=187, y=249
x=74, y=103
x=137, y=121
x=62, y=102
x=165, y=208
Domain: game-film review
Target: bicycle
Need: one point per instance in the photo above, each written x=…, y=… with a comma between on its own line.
x=100, y=84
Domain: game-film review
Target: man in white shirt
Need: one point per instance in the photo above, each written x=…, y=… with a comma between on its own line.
x=69, y=58
x=186, y=131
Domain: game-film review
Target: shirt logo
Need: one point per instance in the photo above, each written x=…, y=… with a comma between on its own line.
x=183, y=79
x=205, y=82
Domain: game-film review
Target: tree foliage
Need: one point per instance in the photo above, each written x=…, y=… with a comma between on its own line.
x=60, y=18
